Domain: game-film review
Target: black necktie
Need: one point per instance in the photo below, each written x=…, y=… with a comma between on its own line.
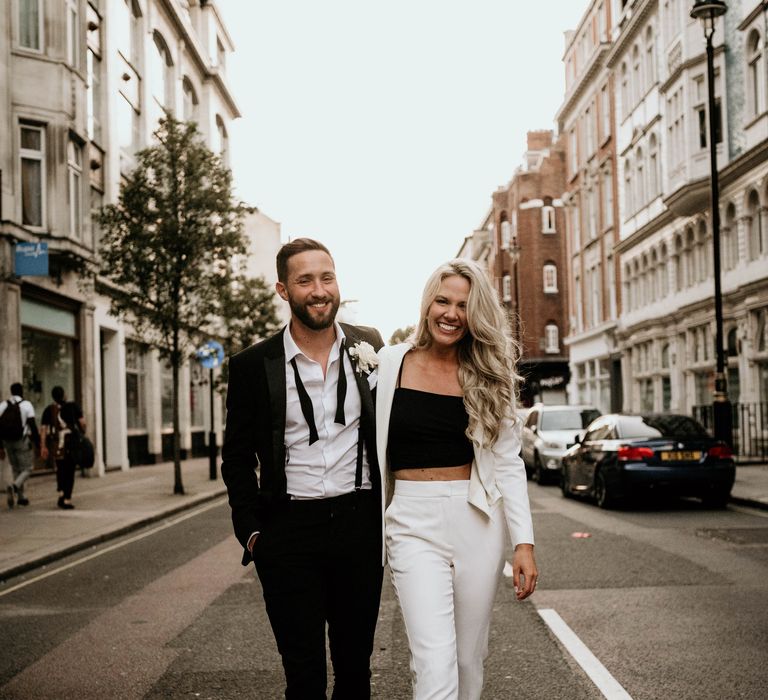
x=306, y=403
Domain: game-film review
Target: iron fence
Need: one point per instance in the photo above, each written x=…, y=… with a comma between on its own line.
x=750, y=429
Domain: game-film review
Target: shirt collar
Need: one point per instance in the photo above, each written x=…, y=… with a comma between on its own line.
x=292, y=349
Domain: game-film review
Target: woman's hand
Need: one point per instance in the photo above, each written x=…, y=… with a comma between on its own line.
x=524, y=571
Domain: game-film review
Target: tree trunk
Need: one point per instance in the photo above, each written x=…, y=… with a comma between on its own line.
x=178, y=486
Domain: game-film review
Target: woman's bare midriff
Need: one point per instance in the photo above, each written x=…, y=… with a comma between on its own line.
x=434, y=473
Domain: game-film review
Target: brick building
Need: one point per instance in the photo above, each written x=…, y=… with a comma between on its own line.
x=527, y=263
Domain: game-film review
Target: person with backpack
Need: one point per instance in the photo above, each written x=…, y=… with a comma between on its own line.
x=18, y=439
x=62, y=426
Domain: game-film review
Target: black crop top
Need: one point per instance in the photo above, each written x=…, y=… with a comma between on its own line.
x=427, y=430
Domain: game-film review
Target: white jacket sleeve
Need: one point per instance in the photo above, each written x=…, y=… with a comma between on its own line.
x=511, y=481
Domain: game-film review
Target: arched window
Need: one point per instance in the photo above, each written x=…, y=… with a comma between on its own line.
x=162, y=73
x=653, y=280
x=653, y=167
x=222, y=140
x=626, y=287
x=190, y=100
x=551, y=338
x=506, y=289
x=755, y=228
x=640, y=179
x=690, y=259
x=679, y=264
x=637, y=74
x=730, y=238
x=754, y=73
x=663, y=279
x=650, y=60
x=624, y=89
x=506, y=234
x=704, y=248
x=732, y=342
x=548, y=219
x=628, y=194
x=637, y=301
x=550, y=278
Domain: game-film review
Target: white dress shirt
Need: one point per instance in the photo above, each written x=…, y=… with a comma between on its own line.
x=327, y=467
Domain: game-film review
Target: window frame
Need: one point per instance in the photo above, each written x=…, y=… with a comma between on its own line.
x=551, y=333
x=21, y=6
x=38, y=156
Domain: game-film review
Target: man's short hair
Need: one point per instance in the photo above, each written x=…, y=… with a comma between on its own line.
x=17, y=389
x=57, y=394
x=294, y=247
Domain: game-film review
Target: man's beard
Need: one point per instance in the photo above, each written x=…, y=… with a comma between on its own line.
x=316, y=324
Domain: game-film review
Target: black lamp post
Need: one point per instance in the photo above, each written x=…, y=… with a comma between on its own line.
x=708, y=11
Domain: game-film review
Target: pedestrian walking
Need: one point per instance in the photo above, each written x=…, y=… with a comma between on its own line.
x=62, y=424
x=447, y=433
x=18, y=439
x=300, y=408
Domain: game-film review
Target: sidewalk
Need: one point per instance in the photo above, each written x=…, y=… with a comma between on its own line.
x=106, y=507
x=120, y=502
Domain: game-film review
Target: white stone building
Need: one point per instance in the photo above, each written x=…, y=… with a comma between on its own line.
x=82, y=84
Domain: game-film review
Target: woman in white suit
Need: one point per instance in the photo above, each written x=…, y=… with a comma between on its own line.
x=447, y=433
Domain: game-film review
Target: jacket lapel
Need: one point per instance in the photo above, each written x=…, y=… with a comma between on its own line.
x=274, y=367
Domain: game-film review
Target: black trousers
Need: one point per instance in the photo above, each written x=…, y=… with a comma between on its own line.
x=319, y=562
x=65, y=476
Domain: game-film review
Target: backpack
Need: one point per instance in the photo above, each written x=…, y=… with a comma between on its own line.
x=11, y=427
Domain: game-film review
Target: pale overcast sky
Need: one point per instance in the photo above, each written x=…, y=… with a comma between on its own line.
x=382, y=128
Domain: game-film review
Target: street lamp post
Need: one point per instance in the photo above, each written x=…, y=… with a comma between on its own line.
x=708, y=11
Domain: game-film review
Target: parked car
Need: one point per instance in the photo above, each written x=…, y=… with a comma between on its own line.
x=547, y=433
x=624, y=455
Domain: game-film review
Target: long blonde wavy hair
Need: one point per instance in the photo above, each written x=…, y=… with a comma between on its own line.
x=486, y=354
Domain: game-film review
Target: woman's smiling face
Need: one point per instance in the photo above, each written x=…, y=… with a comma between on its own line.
x=447, y=315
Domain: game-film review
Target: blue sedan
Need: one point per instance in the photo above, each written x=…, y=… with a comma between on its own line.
x=622, y=455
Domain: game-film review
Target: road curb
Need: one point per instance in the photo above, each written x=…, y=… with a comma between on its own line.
x=760, y=505
x=19, y=569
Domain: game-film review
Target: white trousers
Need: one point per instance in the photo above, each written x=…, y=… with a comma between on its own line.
x=446, y=559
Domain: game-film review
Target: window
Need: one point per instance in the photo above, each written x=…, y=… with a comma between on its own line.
x=548, y=219
x=73, y=34
x=589, y=124
x=505, y=235
x=32, y=154
x=190, y=100
x=506, y=288
x=574, y=154
x=93, y=69
x=701, y=115
x=653, y=167
x=637, y=75
x=128, y=27
x=592, y=212
x=640, y=179
x=166, y=395
x=628, y=189
x=30, y=24
x=754, y=73
x=222, y=140
x=162, y=74
x=624, y=90
x=650, y=61
x=756, y=236
x=550, y=278
x=135, y=386
x=605, y=113
x=730, y=239
x=663, y=281
x=75, y=187
x=551, y=338
x=607, y=199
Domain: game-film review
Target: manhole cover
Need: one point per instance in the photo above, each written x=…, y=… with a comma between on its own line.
x=737, y=535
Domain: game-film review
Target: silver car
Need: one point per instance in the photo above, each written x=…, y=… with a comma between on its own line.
x=547, y=433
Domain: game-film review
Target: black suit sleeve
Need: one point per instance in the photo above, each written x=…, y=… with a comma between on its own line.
x=239, y=458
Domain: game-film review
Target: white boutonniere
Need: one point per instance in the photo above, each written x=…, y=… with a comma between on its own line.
x=364, y=356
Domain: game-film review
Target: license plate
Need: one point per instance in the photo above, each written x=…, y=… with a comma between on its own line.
x=688, y=456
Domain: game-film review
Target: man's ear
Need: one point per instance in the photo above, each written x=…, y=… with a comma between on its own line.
x=281, y=291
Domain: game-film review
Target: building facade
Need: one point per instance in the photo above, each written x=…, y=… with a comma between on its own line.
x=82, y=85
x=526, y=260
x=586, y=122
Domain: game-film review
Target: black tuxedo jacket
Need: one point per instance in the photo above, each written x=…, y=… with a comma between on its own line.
x=255, y=430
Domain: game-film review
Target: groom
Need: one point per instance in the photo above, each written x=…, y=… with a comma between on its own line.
x=299, y=406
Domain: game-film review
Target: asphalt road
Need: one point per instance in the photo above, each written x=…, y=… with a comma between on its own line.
x=670, y=598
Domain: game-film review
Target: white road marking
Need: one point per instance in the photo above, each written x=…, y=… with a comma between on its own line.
x=748, y=511
x=117, y=545
x=598, y=674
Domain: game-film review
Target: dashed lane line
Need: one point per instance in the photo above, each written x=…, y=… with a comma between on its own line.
x=113, y=547
x=598, y=674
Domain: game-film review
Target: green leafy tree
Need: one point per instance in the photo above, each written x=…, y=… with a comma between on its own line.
x=401, y=334
x=167, y=249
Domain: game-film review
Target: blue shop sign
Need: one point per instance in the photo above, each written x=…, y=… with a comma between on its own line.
x=31, y=259
x=210, y=355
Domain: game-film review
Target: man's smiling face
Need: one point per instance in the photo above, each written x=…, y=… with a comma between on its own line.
x=311, y=289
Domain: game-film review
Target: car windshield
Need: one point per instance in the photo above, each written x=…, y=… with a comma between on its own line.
x=653, y=426
x=568, y=419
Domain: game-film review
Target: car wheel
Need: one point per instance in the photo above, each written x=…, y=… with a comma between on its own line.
x=716, y=499
x=538, y=471
x=603, y=496
x=565, y=483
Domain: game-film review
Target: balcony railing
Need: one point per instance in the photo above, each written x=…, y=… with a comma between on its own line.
x=750, y=429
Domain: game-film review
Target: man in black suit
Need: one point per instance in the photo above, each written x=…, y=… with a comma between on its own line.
x=300, y=407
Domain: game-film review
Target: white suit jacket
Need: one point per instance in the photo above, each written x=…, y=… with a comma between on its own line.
x=497, y=473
